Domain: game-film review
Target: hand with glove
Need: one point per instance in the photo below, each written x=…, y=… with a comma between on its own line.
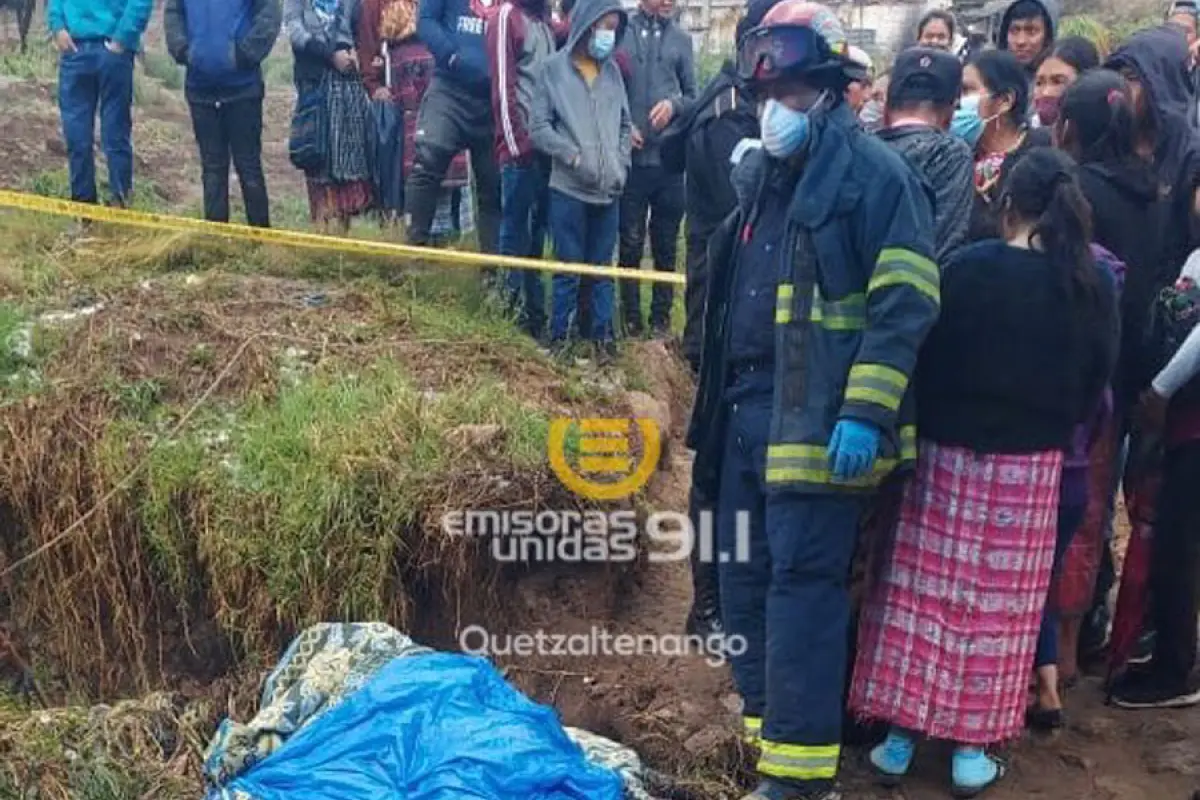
x=853, y=449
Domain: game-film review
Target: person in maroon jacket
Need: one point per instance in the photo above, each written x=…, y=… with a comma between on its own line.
x=520, y=36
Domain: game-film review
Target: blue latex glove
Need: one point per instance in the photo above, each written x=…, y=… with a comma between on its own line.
x=853, y=449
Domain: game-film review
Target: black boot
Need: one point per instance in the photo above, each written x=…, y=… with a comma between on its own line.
x=704, y=619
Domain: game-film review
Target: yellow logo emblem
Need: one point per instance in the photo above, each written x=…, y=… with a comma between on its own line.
x=604, y=450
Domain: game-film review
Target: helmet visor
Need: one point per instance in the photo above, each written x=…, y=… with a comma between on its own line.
x=767, y=53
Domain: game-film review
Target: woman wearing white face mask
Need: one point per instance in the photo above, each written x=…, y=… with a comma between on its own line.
x=992, y=120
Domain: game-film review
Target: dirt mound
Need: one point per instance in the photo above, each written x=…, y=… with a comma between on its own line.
x=203, y=464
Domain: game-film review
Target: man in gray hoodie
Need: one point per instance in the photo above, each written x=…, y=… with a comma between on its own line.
x=1028, y=31
x=656, y=59
x=581, y=121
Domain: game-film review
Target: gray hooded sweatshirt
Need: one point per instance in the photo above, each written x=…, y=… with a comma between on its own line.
x=581, y=125
x=1053, y=12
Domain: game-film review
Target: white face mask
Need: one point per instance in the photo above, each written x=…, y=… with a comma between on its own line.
x=786, y=131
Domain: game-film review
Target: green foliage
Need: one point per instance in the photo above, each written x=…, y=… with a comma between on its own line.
x=57, y=183
x=277, y=69
x=161, y=67
x=312, y=493
x=39, y=62
x=1089, y=28
x=708, y=65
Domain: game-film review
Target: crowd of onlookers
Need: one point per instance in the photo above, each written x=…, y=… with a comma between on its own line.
x=964, y=289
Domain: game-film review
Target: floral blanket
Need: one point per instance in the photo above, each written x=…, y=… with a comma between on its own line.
x=334, y=673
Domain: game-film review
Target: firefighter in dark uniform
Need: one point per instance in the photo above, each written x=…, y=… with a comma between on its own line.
x=822, y=291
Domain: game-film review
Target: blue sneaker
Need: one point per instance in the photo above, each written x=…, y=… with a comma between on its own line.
x=974, y=771
x=892, y=758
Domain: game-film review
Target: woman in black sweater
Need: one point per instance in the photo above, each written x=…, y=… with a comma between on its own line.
x=1023, y=349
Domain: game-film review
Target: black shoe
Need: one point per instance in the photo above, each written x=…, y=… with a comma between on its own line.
x=1144, y=651
x=660, y=329
x=1144, y=690
x=633, y=328
x=1045, y=720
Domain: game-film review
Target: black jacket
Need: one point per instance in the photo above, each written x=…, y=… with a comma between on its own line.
x=1005, y=370
x=1159, y=57
x=1127, y=219
x=701, y=141
x=944, y=163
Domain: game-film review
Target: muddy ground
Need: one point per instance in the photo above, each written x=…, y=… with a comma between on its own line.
x=679, y=711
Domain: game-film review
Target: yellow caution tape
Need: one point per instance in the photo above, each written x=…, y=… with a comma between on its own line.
x=316, y=241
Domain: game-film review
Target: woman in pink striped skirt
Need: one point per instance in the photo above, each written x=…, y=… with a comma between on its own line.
x=1024, y=347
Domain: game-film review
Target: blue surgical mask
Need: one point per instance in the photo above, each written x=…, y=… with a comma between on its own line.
x=967, y=124
x=784, y=130
x=602, y=44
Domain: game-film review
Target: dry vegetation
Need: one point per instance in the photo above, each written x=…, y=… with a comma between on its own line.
x=210, y=446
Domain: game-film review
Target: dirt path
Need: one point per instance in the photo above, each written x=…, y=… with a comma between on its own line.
x=681, y=712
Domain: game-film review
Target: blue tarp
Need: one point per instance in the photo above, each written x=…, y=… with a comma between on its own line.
x=430, y=726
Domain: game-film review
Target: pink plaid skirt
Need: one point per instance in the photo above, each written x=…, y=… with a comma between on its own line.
x=950, y=622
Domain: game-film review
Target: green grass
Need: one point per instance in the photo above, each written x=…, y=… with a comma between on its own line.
x=310, y=494
x=162, y=68
x=57, y=183
x=39, y=62
x=277, y=69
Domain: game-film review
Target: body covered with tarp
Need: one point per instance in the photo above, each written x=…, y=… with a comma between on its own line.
x=360, y=712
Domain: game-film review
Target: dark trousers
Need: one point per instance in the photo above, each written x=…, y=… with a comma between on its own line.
x=695, y=293
x=526, y=192
x=232, y=132
x=450, y=121
x=1175, y=569
x=92, y=80
x=789, y=601
x=583, y=234
x=1070, y=517
x=655, y=193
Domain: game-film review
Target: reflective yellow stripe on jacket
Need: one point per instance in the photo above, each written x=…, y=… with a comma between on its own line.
x=809, y=463
x=876, y=383
x=900, y=267
x=847, y=314
x=783, y=303
x=799, y=761
x=752, y=730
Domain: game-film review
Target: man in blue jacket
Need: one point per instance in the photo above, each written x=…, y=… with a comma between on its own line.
x=823, y=288
x=223, y=43
x=97, y=41
x=456, y=113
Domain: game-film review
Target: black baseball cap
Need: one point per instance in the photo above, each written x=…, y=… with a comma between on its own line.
x=921, y=75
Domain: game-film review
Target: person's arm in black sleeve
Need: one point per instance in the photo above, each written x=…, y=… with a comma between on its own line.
x=175, y=29
x=903, y=299
x=953, y=180
x=266, y=19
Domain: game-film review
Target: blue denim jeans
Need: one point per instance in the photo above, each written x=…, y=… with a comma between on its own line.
x=93, y=79
x=525, y=192
x=584, y=234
